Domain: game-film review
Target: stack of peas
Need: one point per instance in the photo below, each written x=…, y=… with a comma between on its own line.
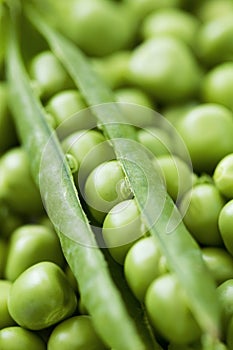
x=171, y=56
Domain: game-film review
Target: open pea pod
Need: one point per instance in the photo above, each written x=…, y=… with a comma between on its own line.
x=160, y=214
x=51, y=171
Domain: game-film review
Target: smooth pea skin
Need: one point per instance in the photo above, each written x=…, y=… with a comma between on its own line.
x=164, y=67
x=225, y=296
x=177, y=175
x=171, y=21
x=133, y=95
x=225, y=223
x=49, y=74
x=219, y=263
x=217, y=85
x=156, y=140
x=89, y=148
x=200, y=208
x=105, y=187
x=143, y=263
x=17, y=187
x=207, y=145
x=5, y=319
x=121, y=228
x=223, y=176
x=75, y=333
x=41, y=296
x=30, y=244
x=17, y=338
x=169, y=312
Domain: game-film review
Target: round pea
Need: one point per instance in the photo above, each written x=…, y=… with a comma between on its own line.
x=105, y=187
x=217, y=85
x=200, y=208
x=133, y=95
x=207, y=145
x=75, y=333
x=49, y=74
x=209, y=10
x=225, y=296
x=171, y=21
x=143, y=263
x=41, y=296
x=156, y=64
x=157, y=140
x=17, y=338
x=121, y=228
x=225, y=222
x=219, y=263
x=5, y=319
x=90, y=149
x=17, y=187
x=223, y=176
x=30, y=244
x=168, y=310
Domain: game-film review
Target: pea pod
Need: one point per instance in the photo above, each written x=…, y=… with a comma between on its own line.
x=98, y=291
x=181, y=251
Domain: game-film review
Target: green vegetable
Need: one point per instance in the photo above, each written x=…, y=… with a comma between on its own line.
x=29, y=245
x=223, y=176
x=225, y=221
x=5, y=319
x=17, y=338
x=76, y=333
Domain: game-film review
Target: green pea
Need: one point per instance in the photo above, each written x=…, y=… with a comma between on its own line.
x=225, y=222
x=89, y=148
x=157, y=140
x=223, y=176
x=171, y=21
x=5, y=319
x=225, y=295
x=219, y=263
x=31, y=244
x=217, y=85
x=3, y=256
x=200, y=208
x=17, y=338
x=7, y=130
x=156, y=64
x=66, y=103
x=112, y=68
x=76, y=333
x=209, y=10
x=207, y=146
x=214, y=42
x=99, y=27
x=133, y=95
x=121, y=228
x=49, y=74
x=177, y=175
x=17, y=187
x=41, y=296
x=105, y=187
x=143, y=263
x=168, y=310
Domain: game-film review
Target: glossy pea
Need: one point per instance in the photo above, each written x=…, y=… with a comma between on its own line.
x=41, y=296
x=75, y=333
x=225, y=223
x=17, y=187
x=200, y=208
x=223, y=176
x=168, y=310
x=171, y=21
x=5, y=319
x=143, y=263
x=31, y=244
x=155, y=65
x=219, y=263
x=17, y=338
x=49, y=74
x=89, y=148
x=217, y=85
x=207, y=146
x=122, y=226
x=105, y=187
